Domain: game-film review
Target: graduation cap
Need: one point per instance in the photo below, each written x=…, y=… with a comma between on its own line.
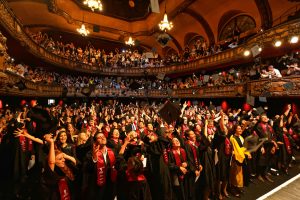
x=262, y=99
x=288, y=86
x=260, y=110
x=252, y=143
x=169, y=112
x=44, y=123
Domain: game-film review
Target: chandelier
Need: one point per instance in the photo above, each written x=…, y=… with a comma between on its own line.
x=83, y=31
x=130, y=41
x=94, y=4
x=165, y=25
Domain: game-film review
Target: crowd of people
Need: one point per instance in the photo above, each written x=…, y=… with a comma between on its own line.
x=40, y=75
x=234, y=75
x=133, y=151
x=95, y=56
x=127, y=58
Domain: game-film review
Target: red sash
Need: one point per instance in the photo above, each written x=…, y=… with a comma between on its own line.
x=211, y=131
x=227, y=147
x=22, y=140
x=64, y=189
x=165, y=156
x=287, y=144
x=265, y=126
x=101, y=169
x=178, y=160
x=193, y=147
x=131, y=178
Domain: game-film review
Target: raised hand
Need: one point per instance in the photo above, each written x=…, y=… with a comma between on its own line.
x=48, y=138
x=20, y=132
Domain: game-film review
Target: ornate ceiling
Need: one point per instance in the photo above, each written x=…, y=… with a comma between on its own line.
x=119, y=20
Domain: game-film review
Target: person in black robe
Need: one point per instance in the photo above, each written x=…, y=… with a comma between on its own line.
x=57, y=179
x=157, y=171
x=114, y=142
x=221, y=143
x=179, y=168
x=99, y=170
x=267, y=151
x=192, y=150
x=208, y=174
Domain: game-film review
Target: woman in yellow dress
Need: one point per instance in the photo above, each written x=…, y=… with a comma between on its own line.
x=238, y=158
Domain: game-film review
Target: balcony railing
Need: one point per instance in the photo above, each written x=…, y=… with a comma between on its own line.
x=283, y=87
x=235, y=55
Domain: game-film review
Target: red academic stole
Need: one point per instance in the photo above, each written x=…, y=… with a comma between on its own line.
x=101, y=169
x=178, y=160
x=194, y=150
x=287, y=144
x=165, y=156
x=227, y=147
x=130, y=177
x=64, y=189
x=25, y=147
x=265, y=126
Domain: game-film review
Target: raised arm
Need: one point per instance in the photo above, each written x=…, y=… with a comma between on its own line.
x=222, y=124
x=23, y=132
x=51, y=155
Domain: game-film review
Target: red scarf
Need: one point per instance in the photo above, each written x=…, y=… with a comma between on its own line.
x=178, y=160
x=64, y=189
x=227, y=147
x=101, y=168
x=193, y=147
x=287, y=144
x=130, y=177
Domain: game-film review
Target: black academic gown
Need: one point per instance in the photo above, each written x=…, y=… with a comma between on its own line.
x=181, y=190
x=90, y=186
x=157, y=171
x=223, y=164
x=208, y=174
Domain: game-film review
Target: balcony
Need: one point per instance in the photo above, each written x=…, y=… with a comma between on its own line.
x=230, y=56
x=283, y=87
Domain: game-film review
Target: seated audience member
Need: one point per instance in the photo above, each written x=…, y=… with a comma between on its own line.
x=273, y=72
x=293, y=68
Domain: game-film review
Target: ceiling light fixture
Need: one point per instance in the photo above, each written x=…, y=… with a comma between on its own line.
x=165, y=25
x=294, y=39
x=94, y=4
x=277, y=43
x=246, y=53
x=83, y=31
x=130, y=41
